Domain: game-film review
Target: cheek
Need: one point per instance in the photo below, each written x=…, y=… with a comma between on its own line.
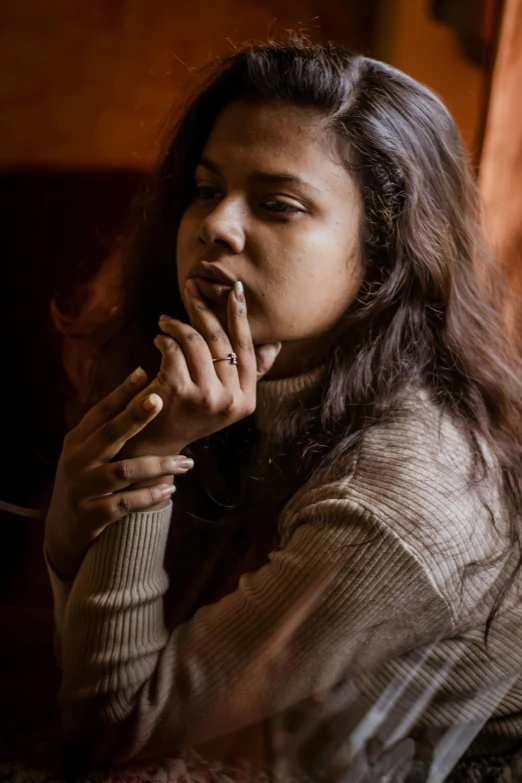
x=312, y=283
x=322, y=265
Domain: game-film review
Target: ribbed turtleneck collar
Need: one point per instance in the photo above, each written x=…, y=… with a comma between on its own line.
x=274, y=397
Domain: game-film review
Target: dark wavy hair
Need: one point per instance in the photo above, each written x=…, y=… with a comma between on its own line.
x=429, y=310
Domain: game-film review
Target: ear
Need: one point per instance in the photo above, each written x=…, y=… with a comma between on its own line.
x=265, y=357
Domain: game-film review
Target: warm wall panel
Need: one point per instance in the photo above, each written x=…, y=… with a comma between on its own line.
x=88, y=83
x=501, y=165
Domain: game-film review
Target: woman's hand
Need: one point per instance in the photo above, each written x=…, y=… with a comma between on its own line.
x=201, y=396
x=90, y=491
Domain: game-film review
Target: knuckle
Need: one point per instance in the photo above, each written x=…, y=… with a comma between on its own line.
x=246, y=345
x=105, y=408
x=229, y=405
x=163, y=465
x=193, y=337
x=217, y=338
x=122, y=471
x=166, y=385
x=108, y=432
x=247, y=410
x=171, y=345
x=122, y=504
x=207, y=401
x=137, y=412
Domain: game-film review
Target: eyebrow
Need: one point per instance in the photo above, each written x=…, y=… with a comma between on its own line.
x=267, y=177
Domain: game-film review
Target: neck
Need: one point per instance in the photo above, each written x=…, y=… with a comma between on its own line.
x=297, y=358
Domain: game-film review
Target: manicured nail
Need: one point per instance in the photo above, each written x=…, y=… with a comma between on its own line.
x=280, y=345
x=139, y=374
x=166, y=489
x=239, y=291
x=152, y=402
x=192, y=286
x=185, y=462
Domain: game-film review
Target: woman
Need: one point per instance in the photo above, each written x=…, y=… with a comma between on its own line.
x=338, y=574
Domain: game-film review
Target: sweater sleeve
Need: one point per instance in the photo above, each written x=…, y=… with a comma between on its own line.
x=342, y=595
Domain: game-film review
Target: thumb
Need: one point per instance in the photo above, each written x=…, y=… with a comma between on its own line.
x=265, y=357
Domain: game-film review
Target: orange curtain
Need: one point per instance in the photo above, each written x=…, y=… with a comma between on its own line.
x=501, y=164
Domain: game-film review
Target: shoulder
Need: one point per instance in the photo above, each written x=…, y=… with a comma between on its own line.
x=418, y=469
x=412, y=477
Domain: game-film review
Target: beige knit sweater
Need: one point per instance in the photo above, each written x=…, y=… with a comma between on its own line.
x=365, y=612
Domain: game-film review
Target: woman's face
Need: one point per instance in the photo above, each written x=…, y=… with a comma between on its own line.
x=275, y=208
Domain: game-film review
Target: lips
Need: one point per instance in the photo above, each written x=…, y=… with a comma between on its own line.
x=212, y=272
x=212, y=289
x=213, y=282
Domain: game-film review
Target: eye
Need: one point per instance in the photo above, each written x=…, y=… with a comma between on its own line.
x=205, y=193
x=281, y=207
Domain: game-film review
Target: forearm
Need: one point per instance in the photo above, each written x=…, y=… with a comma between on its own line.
x=243, y=657
x=117, y=592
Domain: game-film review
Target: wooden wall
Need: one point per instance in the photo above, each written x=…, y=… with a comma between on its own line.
x=501, y=166
x=88, y=83
x=411, y=39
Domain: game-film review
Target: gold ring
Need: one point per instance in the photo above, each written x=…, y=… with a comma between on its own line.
x=231, y=358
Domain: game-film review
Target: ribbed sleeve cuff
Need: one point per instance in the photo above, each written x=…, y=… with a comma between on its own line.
x=127, y=559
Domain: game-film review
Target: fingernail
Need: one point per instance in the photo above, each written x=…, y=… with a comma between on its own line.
x=280, y=345
x=152, y=402
x=239, y=291
x=138, y=375
x=166, y=489
x=185, y=462
x=192, y=286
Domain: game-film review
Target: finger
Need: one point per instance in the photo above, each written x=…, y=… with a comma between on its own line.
x=117, y=475
x=205, y=321
x=195, y=350
x=108, y=439
x=107, y=408
x=100, y=512
x=241, y=338
x=265, y=357
x=173, y=362
x=253, y=362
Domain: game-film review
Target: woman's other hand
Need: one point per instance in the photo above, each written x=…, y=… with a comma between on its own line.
x=201, y=396
x=91, y=491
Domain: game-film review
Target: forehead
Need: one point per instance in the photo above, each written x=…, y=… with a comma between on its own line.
x=249, y=123
x=276, y=136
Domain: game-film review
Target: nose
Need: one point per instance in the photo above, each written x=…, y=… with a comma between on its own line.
x=223, y=226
